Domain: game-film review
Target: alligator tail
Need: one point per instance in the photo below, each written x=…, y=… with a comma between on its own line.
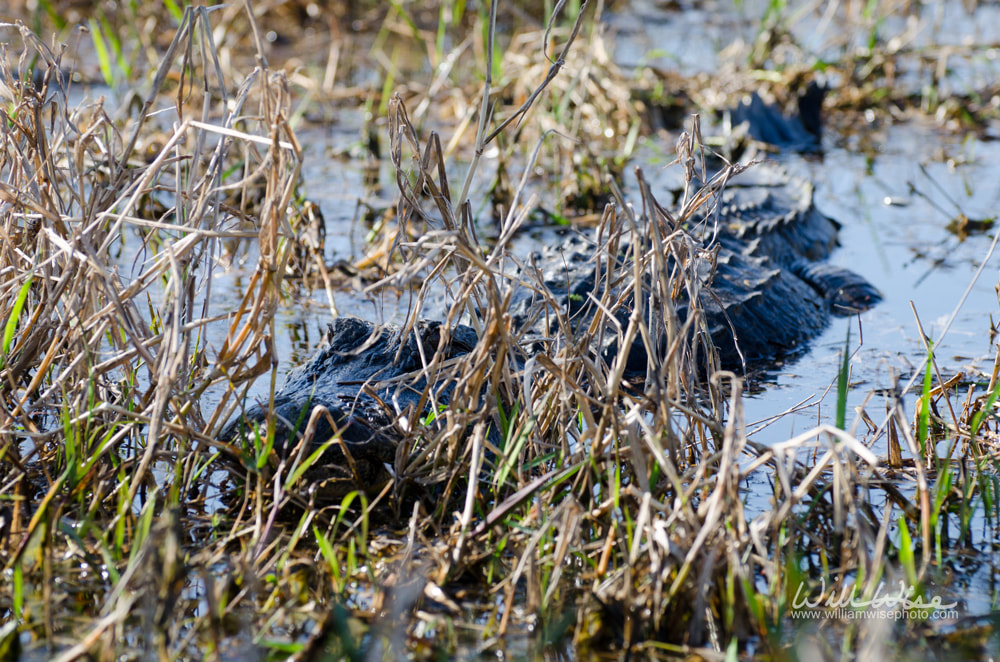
x=845, y=291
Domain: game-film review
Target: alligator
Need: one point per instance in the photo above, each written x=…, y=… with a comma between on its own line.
x=766, y=123
x=764, y=292
x=767, y=291
x=365, y=376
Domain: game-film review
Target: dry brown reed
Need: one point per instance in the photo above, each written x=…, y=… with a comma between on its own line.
x=105, y=361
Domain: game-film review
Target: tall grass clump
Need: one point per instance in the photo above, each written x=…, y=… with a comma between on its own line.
x=107, y=259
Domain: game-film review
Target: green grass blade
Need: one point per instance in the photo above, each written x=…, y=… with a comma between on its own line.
x=510, y=455
x=111, y=36
x=457, y=12
x=304, y=466
x=326, y=549
x=986, y=410
x=906, y=558
x=53, y=14
x=101, y=48
x=923, y=422
x=18, y=596
x=842, y=382
x=11, y=327
x=174, y=9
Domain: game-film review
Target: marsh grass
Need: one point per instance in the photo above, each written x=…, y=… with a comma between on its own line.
x=553, y=495
x=106, y=361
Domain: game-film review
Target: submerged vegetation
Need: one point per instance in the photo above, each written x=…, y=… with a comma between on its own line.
x=553, y=509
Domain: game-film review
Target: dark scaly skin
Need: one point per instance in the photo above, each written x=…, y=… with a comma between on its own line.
x=768, y=293
x=772, y=227
x=366, y=376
